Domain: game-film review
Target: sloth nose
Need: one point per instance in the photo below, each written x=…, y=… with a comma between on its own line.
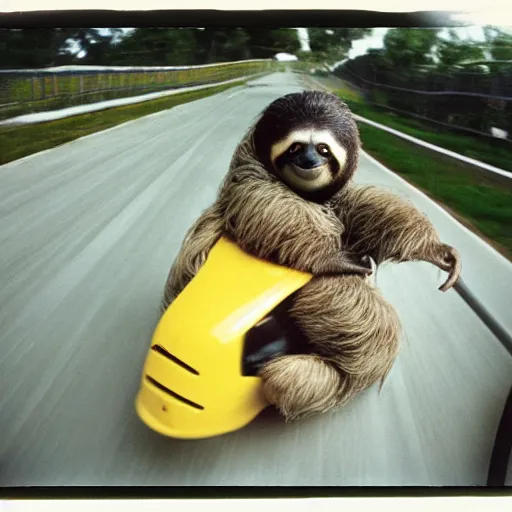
x=309, y=158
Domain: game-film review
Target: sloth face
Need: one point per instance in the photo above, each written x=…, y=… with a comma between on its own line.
x=310, y=141
x=308, y=160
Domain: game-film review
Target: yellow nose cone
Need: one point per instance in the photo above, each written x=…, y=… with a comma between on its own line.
x=192, y=383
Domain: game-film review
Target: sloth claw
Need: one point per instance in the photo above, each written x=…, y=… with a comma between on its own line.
x=449, y=261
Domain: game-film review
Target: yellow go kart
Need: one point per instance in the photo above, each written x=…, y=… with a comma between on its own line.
x=200, y=375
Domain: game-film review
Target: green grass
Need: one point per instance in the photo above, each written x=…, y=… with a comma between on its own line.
x=350, y=96
x=59, y=102
x=17, y=94
x=29, y=89
x=21, y=141
x=491, y=151
x=487, y=207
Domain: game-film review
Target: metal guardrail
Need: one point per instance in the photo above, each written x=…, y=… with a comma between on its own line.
x=507, y=175
x=76, y=69
x=476, y=163
x=53, y=115
x=483, y=313
x=28, y=86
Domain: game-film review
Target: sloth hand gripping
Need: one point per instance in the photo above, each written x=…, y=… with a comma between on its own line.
x=389, y=228
x=352, y=337
x=447, y=259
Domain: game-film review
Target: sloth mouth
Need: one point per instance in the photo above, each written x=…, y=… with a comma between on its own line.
x=308, y=174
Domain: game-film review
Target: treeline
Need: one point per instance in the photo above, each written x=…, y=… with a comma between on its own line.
x=410, y=49
x=475, y=78
x=35, y=48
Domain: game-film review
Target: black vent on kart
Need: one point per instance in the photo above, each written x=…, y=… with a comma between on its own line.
x=272, y=337
x=174, y=359
x=161, y=387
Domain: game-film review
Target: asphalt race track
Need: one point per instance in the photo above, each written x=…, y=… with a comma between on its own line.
x=88, y=232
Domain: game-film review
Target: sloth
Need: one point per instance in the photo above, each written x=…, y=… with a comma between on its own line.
x=288, y=197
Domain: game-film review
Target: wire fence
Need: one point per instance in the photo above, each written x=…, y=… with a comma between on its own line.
x=25, y=91
x=475, y=102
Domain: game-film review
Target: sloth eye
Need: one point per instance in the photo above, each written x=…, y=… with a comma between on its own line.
x=323, y=149
x=294, y=148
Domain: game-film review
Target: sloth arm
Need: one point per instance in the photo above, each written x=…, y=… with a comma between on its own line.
x=268, y=220
x=389, y=228
x=198, y=241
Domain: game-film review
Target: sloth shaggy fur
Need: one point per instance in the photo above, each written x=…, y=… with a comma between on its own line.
x=352, y=332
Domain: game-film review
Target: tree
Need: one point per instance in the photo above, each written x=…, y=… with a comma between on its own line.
x=499, y=43
x=333, y=44
x=218, y=45
x=33, y=47
x=265, y=43
x=154, y=47
x=408, y=47
x=456, y=50
x=143, y=46
x=97, y=44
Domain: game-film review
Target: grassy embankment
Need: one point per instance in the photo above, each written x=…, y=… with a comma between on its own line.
x=60, y=102
x=479, y=203
x=21, y=141
x=30, y=94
